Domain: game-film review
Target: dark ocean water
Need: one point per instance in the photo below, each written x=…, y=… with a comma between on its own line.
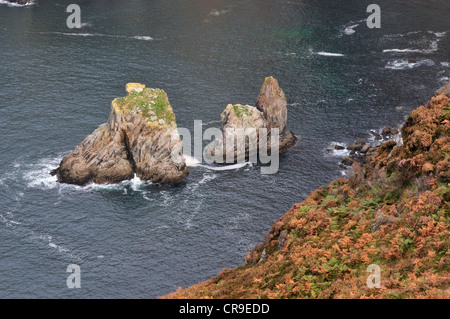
x=136, y=240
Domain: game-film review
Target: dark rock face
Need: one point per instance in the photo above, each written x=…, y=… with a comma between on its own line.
x=445, y=89
x=272, y=102
x=270, y=112
x=139, y=138
x=362, y=151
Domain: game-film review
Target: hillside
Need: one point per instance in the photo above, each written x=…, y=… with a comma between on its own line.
x=392, y=211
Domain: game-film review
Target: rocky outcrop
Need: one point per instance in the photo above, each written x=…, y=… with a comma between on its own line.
x=136, y=140
x=255, y=123
x=362, y=151
x=444, y=89
x=392, y=212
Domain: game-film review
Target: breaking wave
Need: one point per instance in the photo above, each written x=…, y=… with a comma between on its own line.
x=9, y=4
x=402, y=64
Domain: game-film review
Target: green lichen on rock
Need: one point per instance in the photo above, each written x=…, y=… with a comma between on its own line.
x=242, y=110
x=152, y=104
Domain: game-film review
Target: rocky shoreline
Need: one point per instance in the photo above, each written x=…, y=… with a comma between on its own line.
x=391, y=211
x=362, y=150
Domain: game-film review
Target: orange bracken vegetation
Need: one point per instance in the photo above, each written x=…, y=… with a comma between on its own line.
x=393, y=212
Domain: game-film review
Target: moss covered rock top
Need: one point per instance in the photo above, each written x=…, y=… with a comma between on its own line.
x=242, y=111
x=152, y=104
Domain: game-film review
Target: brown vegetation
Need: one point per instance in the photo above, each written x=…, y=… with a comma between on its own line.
x=393, y=212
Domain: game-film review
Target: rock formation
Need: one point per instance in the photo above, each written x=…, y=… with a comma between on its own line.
x=392, y=212
x=137, y=139
x=444, y=89
x=270, y=112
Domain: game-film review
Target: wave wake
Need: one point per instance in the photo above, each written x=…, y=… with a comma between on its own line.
x=76, y=34
x=193, y=162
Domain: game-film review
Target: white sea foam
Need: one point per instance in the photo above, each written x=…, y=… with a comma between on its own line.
x=329, y=53
x=48, y=239
x=136, y=183
x=432, y=48
x=191, y=161
x=143, y=37
x=17, y=4
x=217, y=13
x=438, y=34
x=207, y=177
x=225, y=167
x=38, y=175
x=77, y=34
x=8, y=220
x=60, y=249
x=332, y=151
x=402, y=64
x=350, y=29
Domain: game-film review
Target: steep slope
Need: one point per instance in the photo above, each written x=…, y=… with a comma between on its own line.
x=392, y=212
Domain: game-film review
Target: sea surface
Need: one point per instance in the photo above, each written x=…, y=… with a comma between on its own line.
x=140, y=240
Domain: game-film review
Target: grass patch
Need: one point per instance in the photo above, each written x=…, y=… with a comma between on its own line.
x=152, y=104
x=242, y=110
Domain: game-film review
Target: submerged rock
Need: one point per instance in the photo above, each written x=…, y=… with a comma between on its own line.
x=252, y=124
x=137, y=139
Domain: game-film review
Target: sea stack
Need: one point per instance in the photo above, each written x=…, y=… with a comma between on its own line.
x=140, y=138
x=269, y=112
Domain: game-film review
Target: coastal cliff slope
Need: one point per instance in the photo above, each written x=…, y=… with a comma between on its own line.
x=393, y=211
